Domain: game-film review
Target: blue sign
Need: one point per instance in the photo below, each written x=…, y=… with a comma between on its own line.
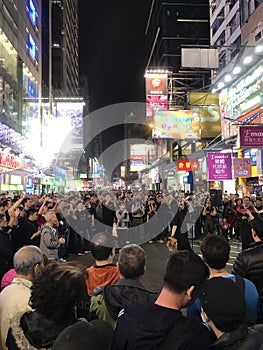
x=248, y=153
x=185, y=179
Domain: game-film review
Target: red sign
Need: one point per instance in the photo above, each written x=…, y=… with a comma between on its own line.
x=156, y=84
x=36, y=181
x=10, y=161
x=188, y=164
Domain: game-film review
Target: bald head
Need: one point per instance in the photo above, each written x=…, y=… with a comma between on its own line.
x=26, y=258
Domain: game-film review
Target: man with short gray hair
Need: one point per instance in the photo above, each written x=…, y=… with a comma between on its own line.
x=15, y=297
x=108, y=301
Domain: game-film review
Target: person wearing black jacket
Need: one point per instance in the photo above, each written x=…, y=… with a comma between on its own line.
x=224, y=310
x=6, y=250
x=108, y=301
x=249, y=262
x=147, y=326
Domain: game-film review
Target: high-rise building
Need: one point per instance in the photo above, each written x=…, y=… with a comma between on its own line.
x=20, y=63
x=236, y=29
x=65, y=52
x=171, y=26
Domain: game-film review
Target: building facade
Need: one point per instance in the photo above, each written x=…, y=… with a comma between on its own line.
x=20, y=61
x=65, y=51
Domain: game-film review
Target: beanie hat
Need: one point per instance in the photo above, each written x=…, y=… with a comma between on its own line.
x=8, y=278
x=223, y=302
x=84, y=335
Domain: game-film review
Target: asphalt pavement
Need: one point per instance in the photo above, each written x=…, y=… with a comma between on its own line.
x=157, y=255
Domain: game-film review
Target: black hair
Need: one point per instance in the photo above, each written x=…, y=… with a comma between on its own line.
x=215, y=250
x=131, y=261
x=183, y=270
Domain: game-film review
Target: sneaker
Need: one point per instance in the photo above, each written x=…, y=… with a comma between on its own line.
x=81, y=254
x=61, y=260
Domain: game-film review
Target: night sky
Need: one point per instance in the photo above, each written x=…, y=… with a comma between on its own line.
x=113, y=50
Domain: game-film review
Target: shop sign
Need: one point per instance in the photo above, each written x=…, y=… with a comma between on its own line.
x=251, y=136
x=10, y=161
x=156, y=84
x=242, y=167
x=36, y=181
x=219, y=166
x=188, y=164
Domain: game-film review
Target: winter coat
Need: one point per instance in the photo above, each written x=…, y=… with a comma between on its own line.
x=108, y=301
x=249, y=264
x=243, y=338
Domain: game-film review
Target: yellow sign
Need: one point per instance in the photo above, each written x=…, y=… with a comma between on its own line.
x=182, y=124
x=207, y=104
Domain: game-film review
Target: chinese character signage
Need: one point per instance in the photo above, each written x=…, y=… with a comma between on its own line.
x=188, y=165
x=182, y=124
x=242, y=167
x=219, y=166
x=251, y=136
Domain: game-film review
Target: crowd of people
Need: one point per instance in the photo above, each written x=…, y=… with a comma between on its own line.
x=47, y=302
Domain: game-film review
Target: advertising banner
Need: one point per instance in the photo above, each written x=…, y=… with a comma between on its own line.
x=207, y=105
x=155, y=103
x=219, y=166
x=182, y=124
x=72, y=113
x=251, y=136
x=156, y=84
x=188, y=164
x=242, y=167
x=141, y=155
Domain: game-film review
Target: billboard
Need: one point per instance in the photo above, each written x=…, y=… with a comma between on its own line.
x=72, y=113
x=154, y=103
x=207, y=104
x=251, y=136
x=219, y=166
x=182, y=124
x=242, y=167
x=141, y=155
x=156, y=84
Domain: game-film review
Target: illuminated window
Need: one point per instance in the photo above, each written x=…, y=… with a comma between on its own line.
x=32, y=47
x=32, y=12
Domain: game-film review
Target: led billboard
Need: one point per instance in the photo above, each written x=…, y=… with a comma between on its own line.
x=182, y=124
